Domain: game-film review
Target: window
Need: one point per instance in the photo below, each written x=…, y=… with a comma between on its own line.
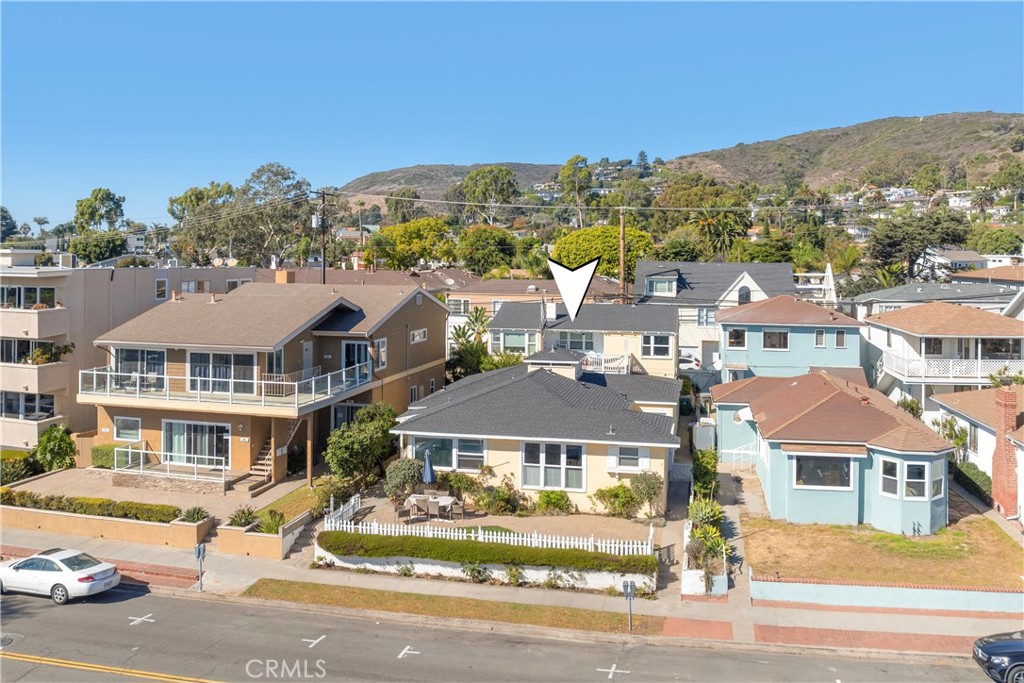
x=820, y=472
x=496, y=305
x=656, y=346
x=577, y=341
x=819, y=339
x=26, y=406
x=417, y=336
x=127, y=428
x=432, y=385
x=775, y=340
x=661, y=287
x=146, y=364
x=459, y=306
x=222, y=372
x=553, y=466
x=419, y=298
x=972, y=438
x=890, y=477
x=932, y=346
x=737, y=338
x=744, y=295
x=1000, y=349
x=414, y=393
x=345, y=413
x=463, y=454
x=705, y=316
x=888, y=339
x=938, y=472
x=23, y=350
x=629, y=456
x=160, y=289
x=470, y=454
x=915, y=477
x=235, y=284
x=886, y=308
x=197, y=443
x=275, y=362
x=840, y=339
x=514, y=342
x=440, y=451
x=381, y=346
x=27, y=297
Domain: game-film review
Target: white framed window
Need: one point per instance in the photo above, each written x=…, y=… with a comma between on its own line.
x=656, y=346
x=915, y=480
x=737, y=338
x=459, y=306
x=629, y=456
x=514, y=341
x=275, y=362
x=195, y=286
x=577, y=341
x=933, y=346
x=661, y=287
x=127, y=428
x=496, y=305
x=775, y=340
x=222, y=372
x=840, y=339
x=448, y=454
x=886, y=308
x=381, y=346
x=419, y=298
x=469, y=454
x=414, y=393
x=160, y=289
x=552, y=466
x=432, y=385
x=889, y=479
x=972, y=438
x=938, y=479
x=705, y=316
x=819, y=339
x=417, y=336
x=817, y=472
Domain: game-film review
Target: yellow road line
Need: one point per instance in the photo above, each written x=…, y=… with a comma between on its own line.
x=100, y=668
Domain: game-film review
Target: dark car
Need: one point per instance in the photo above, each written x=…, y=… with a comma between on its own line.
x=1001, y=656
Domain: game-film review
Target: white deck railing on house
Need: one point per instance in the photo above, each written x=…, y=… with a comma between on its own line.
x=264, y=392
x=135, y=459
x=609, y=365
x=535, y=540
x=946, y=368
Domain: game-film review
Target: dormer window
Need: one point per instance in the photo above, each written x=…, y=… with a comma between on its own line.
x=744, y=295
x=661, y=287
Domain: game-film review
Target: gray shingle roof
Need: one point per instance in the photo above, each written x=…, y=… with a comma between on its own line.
x=592, y=317
x=705, y=283
x=514, y=403
x=933, y=291
x=561, y=356
x=643, y=388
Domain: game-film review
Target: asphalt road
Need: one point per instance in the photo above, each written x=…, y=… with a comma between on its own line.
x=124, y=636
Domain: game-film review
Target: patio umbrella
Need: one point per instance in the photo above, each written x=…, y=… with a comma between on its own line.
x=428, y=468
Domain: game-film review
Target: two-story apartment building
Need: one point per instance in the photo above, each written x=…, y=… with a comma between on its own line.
x=549, y=425
x=614, y=338
x=698, y=291
x=987, y=297
x=784, y=336
x=216, y=388
x=938, y=348
x=49, y=317
x=1011, y=277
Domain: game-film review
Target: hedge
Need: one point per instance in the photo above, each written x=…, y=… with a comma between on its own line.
x=976, y=482
x=344, y=543
x=98, y=507
x=103, y=456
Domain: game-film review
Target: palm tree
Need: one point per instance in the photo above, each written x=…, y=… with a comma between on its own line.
x=845, y=260
x=982, y=201
x=477, y=322
x=892, y=275
x=718, y=228
x=460, y=336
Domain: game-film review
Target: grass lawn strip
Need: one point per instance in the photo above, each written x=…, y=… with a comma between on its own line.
x=974, y=552
x=293, y=503
x=452, y=608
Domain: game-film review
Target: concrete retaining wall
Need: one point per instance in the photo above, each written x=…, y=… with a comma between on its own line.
x=886, y=595
x=238, y=540
x=177, y=534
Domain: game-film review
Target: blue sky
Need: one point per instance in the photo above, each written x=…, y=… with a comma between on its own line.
x=150, y=99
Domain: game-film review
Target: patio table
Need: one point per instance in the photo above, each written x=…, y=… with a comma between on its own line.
x=420, y=502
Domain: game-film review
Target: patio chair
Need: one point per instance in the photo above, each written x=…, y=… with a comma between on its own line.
x=433, y=509
x=430, y=492
x=443, y=492
x=420, y=507
x=403, y=514
x=458, y=509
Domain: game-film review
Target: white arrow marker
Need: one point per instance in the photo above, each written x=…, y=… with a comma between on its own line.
x=573, y=283
x=313, y=642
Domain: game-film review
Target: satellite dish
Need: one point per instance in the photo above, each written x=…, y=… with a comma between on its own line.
x=232, y=262
x=218, y=261
x=450, y=282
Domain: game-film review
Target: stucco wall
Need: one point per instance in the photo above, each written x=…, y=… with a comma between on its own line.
x=801, y=356
x=176, y=534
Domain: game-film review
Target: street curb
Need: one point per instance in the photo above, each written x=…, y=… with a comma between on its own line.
x=553, y=633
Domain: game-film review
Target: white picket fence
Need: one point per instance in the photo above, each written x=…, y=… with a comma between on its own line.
x=610, y=546
x=344, y=513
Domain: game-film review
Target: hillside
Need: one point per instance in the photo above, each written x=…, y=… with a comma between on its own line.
x=824, y=157
x=431, y=180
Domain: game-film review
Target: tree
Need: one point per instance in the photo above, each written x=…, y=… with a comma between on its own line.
x=400, y=207
x=464, y=360
x=412, y=241
x=646, y=486
x=25, y=229
x=982, y=201
x=55, y=449
x=719, y=229
x=489, y=187
x=903, y=240
x=101, y=206
x=92, y=246
x=379, y=247
x=602, y=241
x=8, y=226
x=775, y=249
x=681, y=248
x=482, y=248
x=196, y=200
x=1017, y=143
x=477, y=323
x=273, y=214
x=576, y=181
x=928, y=179
x=1000, y=241
x=642, y=165
x=1010, y=176
x=496, y=361
x=361, y=446
x=42, y=222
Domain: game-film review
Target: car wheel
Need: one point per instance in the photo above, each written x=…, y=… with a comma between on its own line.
x=1015, y=675
x=59, y=594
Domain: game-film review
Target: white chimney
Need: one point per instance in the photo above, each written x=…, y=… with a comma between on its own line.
x=550, y=310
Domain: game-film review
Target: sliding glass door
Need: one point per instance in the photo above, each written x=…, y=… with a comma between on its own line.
x=201, y=443
x=222, y=372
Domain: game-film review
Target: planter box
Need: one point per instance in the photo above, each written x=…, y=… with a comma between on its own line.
x=176, y=534
x=238, y=540
x=692, y=580
x=573, y=579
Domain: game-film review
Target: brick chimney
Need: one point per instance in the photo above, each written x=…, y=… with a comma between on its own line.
x=1004, y=460
x=284, y=277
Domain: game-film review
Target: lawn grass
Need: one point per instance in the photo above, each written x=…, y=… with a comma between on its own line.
x=294, y=503
x=453, y=608
x=972, y=552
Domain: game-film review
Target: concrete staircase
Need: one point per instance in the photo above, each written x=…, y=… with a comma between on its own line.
x=301, y=552
x=264, y=464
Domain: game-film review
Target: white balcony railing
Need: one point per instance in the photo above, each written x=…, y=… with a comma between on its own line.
x=262, y=392
x=609, y=365
x=135, y=459
x=947, y=368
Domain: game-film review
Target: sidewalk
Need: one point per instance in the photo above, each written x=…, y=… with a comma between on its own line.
x=736, y=621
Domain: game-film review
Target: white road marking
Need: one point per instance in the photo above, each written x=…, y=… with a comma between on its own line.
x=407, y=651
x=313, y=642
x=612, y=671
x=139, y=620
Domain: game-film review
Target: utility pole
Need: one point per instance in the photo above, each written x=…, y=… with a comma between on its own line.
x=622, y=252
x=320, y=221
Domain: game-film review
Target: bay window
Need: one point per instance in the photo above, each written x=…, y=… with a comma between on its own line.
x=890, y=477
x=553, y=466
x=938, y=478
x=914, y=479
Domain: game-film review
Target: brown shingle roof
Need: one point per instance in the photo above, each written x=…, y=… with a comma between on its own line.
x=785, y=310
x=1005, y=273
x=598, y=286
x=980, y=405
x=435, y=280
x=256, y=315
x=819, y=408
x=940, y=319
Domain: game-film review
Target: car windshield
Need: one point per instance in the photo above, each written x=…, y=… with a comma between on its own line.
x=79, y=562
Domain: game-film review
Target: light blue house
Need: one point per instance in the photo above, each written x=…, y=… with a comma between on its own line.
x=830, y=451
x=784, y=336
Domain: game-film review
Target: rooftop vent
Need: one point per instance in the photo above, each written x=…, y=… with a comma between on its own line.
x=531, y=288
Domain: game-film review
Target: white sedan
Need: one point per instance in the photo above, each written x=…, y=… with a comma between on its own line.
x=62, y=574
